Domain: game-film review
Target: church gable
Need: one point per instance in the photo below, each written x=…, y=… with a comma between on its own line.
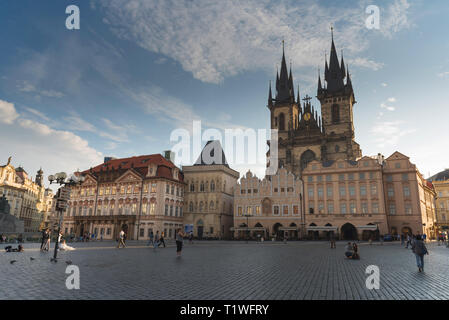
x=398, y=156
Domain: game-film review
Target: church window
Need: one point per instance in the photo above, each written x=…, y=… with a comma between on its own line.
x=335, y=113
x=281, y=122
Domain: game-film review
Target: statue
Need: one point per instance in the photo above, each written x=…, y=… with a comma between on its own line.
x=9, y=160
x=4, y=205
x=8, y=222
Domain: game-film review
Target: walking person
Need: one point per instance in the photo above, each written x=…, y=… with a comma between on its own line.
x=408, y=241
x=419, y=249
x=191, y=237
x=44, y=238
x=156, y=240
x=332, y=241
x=121, y=240
x=47, y=241
x=161, y=240
x=179, y=241
x=151, y=238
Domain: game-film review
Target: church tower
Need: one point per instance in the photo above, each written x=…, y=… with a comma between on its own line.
x=337, y=101
x=40, y=178
x=284, y=109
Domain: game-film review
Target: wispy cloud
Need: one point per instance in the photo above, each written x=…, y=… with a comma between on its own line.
x=25, y=86
x=388, y=133
x=218, y=39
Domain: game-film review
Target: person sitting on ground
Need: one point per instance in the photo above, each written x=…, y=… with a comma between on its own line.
x=348, y=250
x=355, y=249
x=10, y=249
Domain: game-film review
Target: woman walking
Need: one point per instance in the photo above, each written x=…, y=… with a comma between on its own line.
x=419, y=249
x=179, y=240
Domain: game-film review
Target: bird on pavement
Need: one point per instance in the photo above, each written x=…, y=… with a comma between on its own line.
x=68, y=262
x=31, y=258
x=12, y=261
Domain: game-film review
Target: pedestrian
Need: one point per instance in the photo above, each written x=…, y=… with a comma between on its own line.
x=348, y=250
x=355, y=250
x=156, y=240
x=121, y=240
x=419, y=249
x=161, y=240
x=48, y=240
x=44, y=238
x=381, y=240
x=191, y=237
x=402, y=239
x=151, y=238
x=409, y=240
x=179, y=240
x=332, y=240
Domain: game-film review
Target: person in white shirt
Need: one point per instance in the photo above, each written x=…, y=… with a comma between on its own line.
x=121, y=240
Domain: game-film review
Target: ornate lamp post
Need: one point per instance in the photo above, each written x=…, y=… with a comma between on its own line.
x=62, y=197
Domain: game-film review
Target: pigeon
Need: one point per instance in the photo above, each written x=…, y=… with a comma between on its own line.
x=12, y=261
x=53, y=260
x=68, y=262
x=31, y=258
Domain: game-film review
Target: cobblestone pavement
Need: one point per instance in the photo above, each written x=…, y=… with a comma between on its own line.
x=225, y=270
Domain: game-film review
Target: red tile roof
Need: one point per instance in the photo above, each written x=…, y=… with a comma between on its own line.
x=139, y=164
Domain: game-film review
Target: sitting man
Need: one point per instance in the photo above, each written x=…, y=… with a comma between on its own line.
x=348, y=250
x=10, y=249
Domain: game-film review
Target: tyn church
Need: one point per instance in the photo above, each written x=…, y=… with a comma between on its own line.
x=304, y=135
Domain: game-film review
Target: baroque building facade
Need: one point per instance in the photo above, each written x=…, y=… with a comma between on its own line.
x=209, y=194
x=440, y=182
x=139, y=195
x=28, y=199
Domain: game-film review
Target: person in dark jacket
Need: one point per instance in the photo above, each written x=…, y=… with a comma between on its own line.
x=419, y=249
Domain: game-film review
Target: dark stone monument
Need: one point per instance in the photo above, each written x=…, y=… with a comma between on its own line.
x=8, y=223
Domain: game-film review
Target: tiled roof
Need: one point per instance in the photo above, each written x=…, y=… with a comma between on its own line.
x=139, y=164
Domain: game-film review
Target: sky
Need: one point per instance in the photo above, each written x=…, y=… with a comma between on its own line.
x=137, y=70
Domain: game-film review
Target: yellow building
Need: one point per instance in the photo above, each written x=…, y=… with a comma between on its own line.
x=27, y=198
x=441, y=183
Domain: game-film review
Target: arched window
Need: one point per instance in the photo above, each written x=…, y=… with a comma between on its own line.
x=192, y=187
x=201, y=206
x=281, y=122
x=202, y=186
x=211, y=206
x=335, y=113
x=191, y=206
x=212, y=185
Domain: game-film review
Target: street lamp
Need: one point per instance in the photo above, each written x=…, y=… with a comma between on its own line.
x=62, y=196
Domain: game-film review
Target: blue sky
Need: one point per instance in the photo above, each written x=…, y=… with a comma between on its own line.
x=137, y=70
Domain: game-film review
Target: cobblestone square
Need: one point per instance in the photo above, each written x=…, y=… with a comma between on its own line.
x=225, y=270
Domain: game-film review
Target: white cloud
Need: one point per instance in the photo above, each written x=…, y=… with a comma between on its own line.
x=384, y=84
x=34, y=144
x=25, y=86
x=8, y=112
x=38, y=114
x=395, y=18
x=385, y=106
x=366, y=63
x=218, y=39
x=443, y=74
x=389, y=133
x=392, y=99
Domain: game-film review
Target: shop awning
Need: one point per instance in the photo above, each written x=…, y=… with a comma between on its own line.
x=246, y=229
x=316, y=228
x=367, y=227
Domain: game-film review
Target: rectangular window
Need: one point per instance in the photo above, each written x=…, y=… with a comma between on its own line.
x=311, y=208
x=329, y=192
x=389, y=178
x=372, y=175
x=113, y=190
x=176, y=211
x=285, y=211
x=320, y=207
x=351, y=176
x=108, y=231
x=173, y=190
x=169, y=233
x=122, y=189
x=107, y=190
x=276, y=210
x=257, y=210
x=129, y=190
x=374, y=190
x=320, y=192
x=342, y=191
x=145, y=188
x=343, y=208
x=363, y=190
x=408, y=208
x=353, y=207
x=330, y=208
x=404, y=177
x=364, y=207
x=141, y=232
x=101, y=192
x=239, y=211
x=111, y=209
x=134, y=208
x=295, y=209
x=392, y=207
x=329, y=178
x=311, y=192
x=352, y=191
x=319, y=178
x=171, y=211
x=310, y=179
x=144, y=208
x=153, y=187
x=375, y=207
x=249, y=210
x=166, y=209
x=362, y=175
x=167, y=188
x=406, y=191
x=341, y=177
